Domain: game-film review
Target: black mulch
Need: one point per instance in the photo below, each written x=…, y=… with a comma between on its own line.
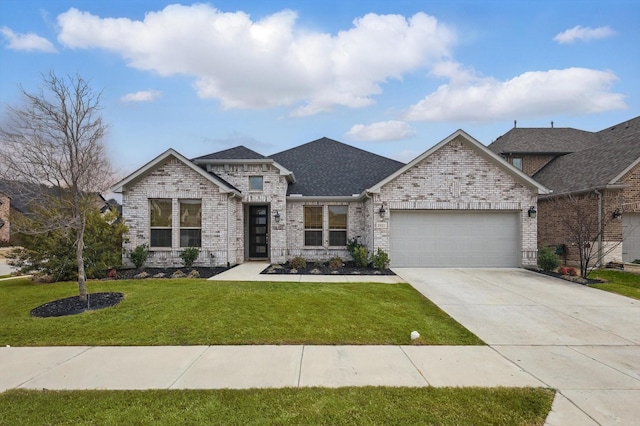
x=349, y=268
x=73, y=305
x=127, y=274
x=577, y=280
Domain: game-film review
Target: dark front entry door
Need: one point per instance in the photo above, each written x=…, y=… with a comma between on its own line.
x=258, y=231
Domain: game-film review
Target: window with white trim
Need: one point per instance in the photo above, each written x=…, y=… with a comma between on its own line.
x=255, y=183
x=517, y=162
x=160, y=222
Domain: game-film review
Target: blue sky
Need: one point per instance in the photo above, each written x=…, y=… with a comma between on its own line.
x=391, y=77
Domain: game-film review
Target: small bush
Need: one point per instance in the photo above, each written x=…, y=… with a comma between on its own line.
x=361, y=257
x=194, y=274
x=380, y=259
x=189, y=255
x=139, y=255
x=298, y=262
x=547, y=259
x=336, y=262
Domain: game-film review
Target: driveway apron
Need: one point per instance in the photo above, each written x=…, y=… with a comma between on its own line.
x=581, y=341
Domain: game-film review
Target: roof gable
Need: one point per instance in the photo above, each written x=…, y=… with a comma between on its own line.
x=224, y=186
x=480, y=149
x=326, y=168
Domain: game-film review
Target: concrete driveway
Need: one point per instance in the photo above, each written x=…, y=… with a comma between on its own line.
x=581, y=341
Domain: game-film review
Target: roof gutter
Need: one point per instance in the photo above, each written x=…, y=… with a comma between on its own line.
x=324, y=198
x=583, y=191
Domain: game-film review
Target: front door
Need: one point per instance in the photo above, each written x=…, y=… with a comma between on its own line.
x=258, y=231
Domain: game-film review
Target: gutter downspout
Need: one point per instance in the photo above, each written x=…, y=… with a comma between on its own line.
x=373, y=219
x=599, y=263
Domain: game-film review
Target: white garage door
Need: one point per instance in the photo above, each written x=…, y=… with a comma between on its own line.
x=444, y=239
x=631, y=235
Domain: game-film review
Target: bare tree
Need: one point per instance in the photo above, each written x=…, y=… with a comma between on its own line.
x=586, y=223
x=51, y=147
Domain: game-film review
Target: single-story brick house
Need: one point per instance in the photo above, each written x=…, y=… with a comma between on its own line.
x=600, y=169
x=457, y=204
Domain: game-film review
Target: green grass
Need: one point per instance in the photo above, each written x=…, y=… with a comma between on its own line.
x=619, y=282
x=201, y=312
x=289, y=406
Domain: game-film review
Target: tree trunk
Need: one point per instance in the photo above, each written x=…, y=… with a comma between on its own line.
x=82, y=284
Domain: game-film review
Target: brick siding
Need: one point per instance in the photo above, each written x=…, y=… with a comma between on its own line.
x=456, y=177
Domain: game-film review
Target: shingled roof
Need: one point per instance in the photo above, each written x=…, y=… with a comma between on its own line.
x=550, y=140
x=326, y=167
x=598, y=166
x=237, y=153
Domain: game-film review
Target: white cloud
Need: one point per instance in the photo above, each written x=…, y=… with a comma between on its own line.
x=584, y=34
x=28, y=42
x=269, y=62
x=381, y=131
x=142, y=96
x=570, y=91
x=406, y=155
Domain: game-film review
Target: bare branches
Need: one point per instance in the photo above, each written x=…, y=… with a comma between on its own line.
x=51, y=149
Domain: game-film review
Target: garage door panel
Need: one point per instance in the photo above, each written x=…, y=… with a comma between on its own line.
x=454, y=239
x=631, y=235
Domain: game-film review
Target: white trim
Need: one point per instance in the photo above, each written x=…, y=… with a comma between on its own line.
x=215, y=161
x=479, y=148
x=119, y=187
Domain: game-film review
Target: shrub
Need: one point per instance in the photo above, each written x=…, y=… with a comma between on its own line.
x=353, y=244
x=547, y=259
x=568, y=270
x=361, y=257
x=189, y=255
x=139, y=255
x=336, y=262
x=298, y=262
x=380, y=259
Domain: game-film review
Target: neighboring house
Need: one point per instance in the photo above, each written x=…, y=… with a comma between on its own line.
x=18, y=198
x=457, y=204
x=5, y=223
x=600, y=168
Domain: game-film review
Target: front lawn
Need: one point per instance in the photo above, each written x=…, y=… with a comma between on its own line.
x=289, y=406
x=201, y=312
x=620, y=282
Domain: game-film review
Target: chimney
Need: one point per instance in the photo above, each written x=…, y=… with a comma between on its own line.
x=552, y=124
x=515, y=124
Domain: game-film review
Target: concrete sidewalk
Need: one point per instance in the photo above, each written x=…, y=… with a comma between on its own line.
x=251, y=271
x=242, y=367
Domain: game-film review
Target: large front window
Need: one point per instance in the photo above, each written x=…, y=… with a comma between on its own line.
x=190, y=223
x=313, y=226
x=160, y=222
x=338, y=225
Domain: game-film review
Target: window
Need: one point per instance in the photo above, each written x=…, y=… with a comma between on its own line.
x=160, y=221
x=338, y=225
x=313, y=226
x=255, y=183
x=517, y=162
x=190, y=223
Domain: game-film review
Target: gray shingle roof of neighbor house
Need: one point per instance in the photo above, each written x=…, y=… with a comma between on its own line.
x=326, y=167
x=551, y=140
x=237, y=153
x=603, y=164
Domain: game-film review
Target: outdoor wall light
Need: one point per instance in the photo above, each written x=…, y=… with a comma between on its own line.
x=532, y=212
x=276, y=216
x=382, y=211
x=617, y=214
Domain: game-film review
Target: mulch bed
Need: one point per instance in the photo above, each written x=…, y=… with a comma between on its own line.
x=73, y=305
x=349, y=268
x=127, y=274
x=577, y=280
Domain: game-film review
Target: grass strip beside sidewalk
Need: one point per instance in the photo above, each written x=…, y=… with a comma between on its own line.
x=289, y=406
